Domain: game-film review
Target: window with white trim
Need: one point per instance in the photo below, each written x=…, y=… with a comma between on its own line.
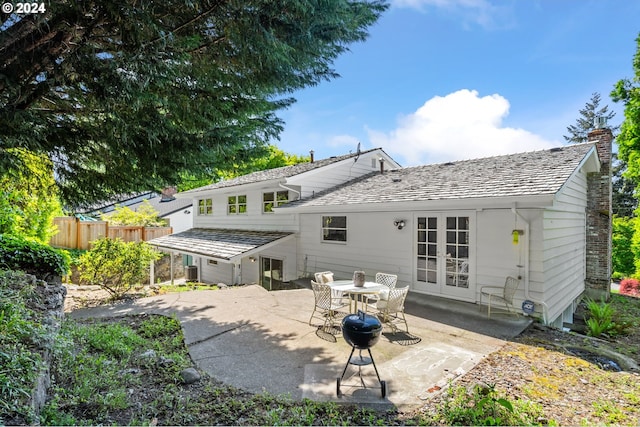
x=205, y=207
x=334, y=228
x=237, y=205
x=273, y=199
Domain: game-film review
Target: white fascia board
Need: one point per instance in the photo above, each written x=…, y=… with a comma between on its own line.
x=540, y=201
x=590, y=163
x=237, y=258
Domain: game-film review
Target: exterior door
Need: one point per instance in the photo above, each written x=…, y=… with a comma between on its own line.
x=443, y=255
x=271, y=273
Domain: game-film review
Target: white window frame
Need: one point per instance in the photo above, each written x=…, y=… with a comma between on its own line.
x=236, y=207
x=205, y=207
x=275, y=202
x=327, y=230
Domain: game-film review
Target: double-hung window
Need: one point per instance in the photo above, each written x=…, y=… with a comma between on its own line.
x=205, y=207
x=334, y=228
x=237, y=205
x=274, y=199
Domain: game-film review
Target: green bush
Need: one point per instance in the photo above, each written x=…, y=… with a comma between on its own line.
x=622, y=252
x=32, y=257
x=600, y=319
x=482, y=405
x=116, y=266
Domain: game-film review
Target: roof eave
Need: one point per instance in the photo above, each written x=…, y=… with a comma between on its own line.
x=523, y=201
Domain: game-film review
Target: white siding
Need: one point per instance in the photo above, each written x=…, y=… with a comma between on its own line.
x=373, y=245
x=220, y=273
x=286, y=251
x=321, y=179
x=564, y=246
x=181, y=221
x=497, y=255
x=253, y=219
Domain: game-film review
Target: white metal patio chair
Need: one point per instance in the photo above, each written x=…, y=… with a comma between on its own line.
x=391, y=310
x=503, y=295
x=386, y=279
x=326, y=277
x=327, y=305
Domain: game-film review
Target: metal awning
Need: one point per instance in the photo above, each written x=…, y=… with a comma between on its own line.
x=227, y=245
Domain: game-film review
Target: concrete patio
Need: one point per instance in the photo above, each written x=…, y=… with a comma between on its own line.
x=261, y=341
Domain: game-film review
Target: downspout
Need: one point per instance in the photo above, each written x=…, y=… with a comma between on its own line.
x=281, y=185
x=527, y=295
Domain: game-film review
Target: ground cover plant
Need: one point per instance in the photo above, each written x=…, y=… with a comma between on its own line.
x=23, y=338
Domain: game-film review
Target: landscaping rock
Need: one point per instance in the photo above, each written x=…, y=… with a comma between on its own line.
x=190, y=375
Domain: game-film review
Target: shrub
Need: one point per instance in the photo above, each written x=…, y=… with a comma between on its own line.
x=116, y=266
x=482, y=405
x=630, y=287
x=622, y=254
x=144, y=216
x=32, y=257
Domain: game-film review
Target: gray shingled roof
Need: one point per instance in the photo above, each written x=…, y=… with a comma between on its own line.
x=522, y=174
x=218, y=243
x=276, y=173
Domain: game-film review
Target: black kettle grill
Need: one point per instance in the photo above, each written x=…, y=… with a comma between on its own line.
x=361, y=331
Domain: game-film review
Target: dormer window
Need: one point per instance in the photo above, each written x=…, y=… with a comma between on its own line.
x=273, y=199
x=237, y=205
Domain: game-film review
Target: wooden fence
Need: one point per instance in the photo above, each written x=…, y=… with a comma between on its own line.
x=76, y=234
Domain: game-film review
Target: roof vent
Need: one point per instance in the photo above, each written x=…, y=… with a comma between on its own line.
x=555, y=149
x=448, y=164
x=396, y=179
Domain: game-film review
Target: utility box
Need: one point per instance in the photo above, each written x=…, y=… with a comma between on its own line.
x=191, y=273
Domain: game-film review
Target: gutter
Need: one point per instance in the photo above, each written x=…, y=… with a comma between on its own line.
x=527, y=295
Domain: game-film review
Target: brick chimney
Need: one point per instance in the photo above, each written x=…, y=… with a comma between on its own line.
x=167, y=194
x=598, y=250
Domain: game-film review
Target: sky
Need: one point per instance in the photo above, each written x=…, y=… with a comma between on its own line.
x=444, y=80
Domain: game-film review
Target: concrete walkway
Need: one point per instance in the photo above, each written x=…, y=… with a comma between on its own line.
x=261, y=341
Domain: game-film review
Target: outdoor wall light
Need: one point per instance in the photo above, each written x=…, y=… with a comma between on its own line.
x=252, y=259
x=399, y=223
x=187, y=212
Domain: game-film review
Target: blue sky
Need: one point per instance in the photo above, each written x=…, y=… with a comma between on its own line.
x=441, y=80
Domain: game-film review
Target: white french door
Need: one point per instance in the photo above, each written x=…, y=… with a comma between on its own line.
x=443, y=255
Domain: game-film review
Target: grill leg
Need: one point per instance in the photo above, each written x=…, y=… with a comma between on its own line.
x=374, y=365
x=347, y=365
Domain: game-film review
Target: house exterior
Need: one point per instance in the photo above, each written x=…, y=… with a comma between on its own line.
x=177, y=212
x=445, y=229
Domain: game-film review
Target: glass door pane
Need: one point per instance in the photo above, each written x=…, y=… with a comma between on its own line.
x=427, y=250
x=457, y=247
x=265, y=273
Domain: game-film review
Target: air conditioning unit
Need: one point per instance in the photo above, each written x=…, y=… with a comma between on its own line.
x=191, y=273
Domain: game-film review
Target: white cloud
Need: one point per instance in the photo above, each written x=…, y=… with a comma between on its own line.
x=479, y=12
x=343, y=140
x=458, y=126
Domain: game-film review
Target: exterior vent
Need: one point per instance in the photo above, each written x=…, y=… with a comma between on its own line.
x=600, y=122
x=555, y=149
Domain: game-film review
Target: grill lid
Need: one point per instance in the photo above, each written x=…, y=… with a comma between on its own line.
x=361, y=322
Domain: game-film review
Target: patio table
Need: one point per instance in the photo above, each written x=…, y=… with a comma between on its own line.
x=358, y=292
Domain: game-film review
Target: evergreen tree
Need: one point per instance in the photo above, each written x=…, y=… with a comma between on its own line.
x=586, y=122
x=126, y=96
x=624, y=202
